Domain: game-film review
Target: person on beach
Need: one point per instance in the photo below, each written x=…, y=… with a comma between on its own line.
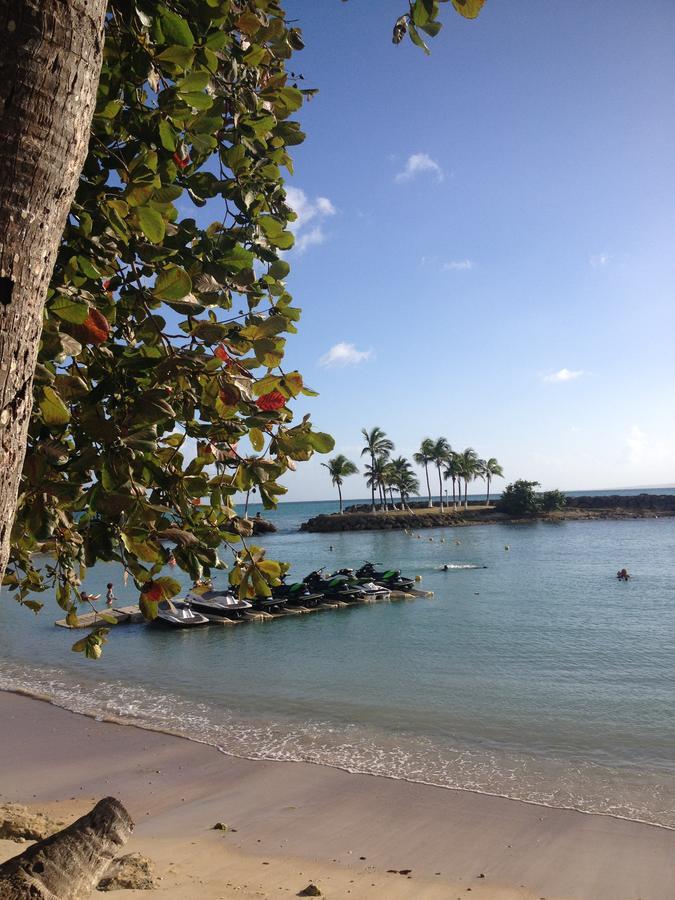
x=110, y=595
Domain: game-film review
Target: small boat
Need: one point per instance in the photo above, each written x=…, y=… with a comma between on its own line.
x=179, y=614
x=389, y=578
x=223, y=604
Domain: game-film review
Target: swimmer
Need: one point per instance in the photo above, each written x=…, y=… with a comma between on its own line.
x=445, y=568
x=506, y=547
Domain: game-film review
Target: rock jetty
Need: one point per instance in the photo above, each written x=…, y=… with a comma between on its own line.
x=606, y=506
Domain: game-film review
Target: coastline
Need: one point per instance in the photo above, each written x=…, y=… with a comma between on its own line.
x=293, y=818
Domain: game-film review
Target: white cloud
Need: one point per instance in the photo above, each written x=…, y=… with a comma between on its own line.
x=563, y=375
x=307, y=211
x=600, y=260
x=458, y=265
x=416, y=164
x=344, y=354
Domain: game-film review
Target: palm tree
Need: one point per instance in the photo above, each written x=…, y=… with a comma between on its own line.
x=376, y=477
x=453, y=471
x=423, y=457
x=440, y=454
x=491, y=469
x=399, y=471
x=469, y=467
x=409, y=485
x=339, y=467
x=377, y=444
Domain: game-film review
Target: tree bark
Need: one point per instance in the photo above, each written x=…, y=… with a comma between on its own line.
x=49, y=71
x=340, y=496
x=440, y=486
x=69, y=864
x=426, y=472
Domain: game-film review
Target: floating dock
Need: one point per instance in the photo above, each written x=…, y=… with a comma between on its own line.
x=133, y=615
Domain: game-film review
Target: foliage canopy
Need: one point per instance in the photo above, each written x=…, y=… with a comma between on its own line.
x=160, y=391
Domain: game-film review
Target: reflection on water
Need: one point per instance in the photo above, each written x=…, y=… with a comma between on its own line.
x=539, y=677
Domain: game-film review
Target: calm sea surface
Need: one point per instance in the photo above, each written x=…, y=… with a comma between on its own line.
x=540, y=677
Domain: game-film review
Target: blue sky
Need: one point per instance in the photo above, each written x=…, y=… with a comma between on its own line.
x=486, y=235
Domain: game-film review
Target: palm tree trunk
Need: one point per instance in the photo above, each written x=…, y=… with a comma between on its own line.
x=339, y=496
x=454, y=499
x=49, y=71
x=466, y=491
x=440, y=485
x=426, y=472
x=487, y=491
x=372, y=486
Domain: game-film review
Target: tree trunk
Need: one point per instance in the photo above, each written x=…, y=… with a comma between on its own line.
x=426, y=472
x=372, y=475
x=340, y=497
x=49, y=70
x=440, y=486
x=466, y=491
x=69, y=864
x=487, y=491
x=454, y=498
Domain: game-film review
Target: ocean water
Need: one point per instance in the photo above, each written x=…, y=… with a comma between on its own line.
x=532, y=673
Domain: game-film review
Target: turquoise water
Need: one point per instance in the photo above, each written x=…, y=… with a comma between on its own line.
x=540, y=677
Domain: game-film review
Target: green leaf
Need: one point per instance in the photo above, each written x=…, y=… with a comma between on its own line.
x=180, y=56
x=152, y=224
x=194, y=81
x=166, y=136
x=175, y=29
x=69, y=309
x=197, y=100
x=416, y=39
x=54, y=411
x=321, y=442
x=257, y=439
x=468, y=8
x=110, y=110
x=172, y=283
x=279, y=268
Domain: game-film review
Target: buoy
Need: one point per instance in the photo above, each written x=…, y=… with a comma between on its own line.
x=418, y=577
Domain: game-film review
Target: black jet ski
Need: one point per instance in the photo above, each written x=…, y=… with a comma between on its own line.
x=334, y=587
x=296, y=594
x=370, y=589
x=389, y=578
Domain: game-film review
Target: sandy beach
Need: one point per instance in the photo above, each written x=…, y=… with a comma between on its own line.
x=290, y=824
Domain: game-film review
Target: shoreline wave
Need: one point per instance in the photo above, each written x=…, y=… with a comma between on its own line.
x=129, y=720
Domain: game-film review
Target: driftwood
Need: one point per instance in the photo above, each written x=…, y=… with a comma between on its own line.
x=69, y=864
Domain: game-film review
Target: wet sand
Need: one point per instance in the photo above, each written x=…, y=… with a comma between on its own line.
x=294, y=823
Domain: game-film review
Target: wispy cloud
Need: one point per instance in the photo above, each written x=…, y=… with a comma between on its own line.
x=564, y=375
x=344, y=354
x=417, y=164
x=600, y=260
x=458, y=265
x=308, y=210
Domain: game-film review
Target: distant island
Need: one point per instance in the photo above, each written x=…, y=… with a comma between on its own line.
x=420, y=515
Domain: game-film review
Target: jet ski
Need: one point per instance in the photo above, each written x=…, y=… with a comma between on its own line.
x=178, y=614
x=223, y=604
x=296, y=594
x=334, y=587
x=269, y=604
x=389, y=578
x=370, y=589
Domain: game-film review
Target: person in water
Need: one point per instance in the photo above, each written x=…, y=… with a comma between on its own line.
x=622, y=575
x=110, y=594
x=445, y=568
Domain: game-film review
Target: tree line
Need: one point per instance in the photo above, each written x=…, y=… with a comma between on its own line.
x=387, y=475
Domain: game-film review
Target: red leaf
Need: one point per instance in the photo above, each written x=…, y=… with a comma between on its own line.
x=222, y=353
x=181, y=161
x=94, y=330
x=152, y=591
x=269, y=402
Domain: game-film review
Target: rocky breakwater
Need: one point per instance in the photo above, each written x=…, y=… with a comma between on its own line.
x=393, y=521
x=632, y=503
